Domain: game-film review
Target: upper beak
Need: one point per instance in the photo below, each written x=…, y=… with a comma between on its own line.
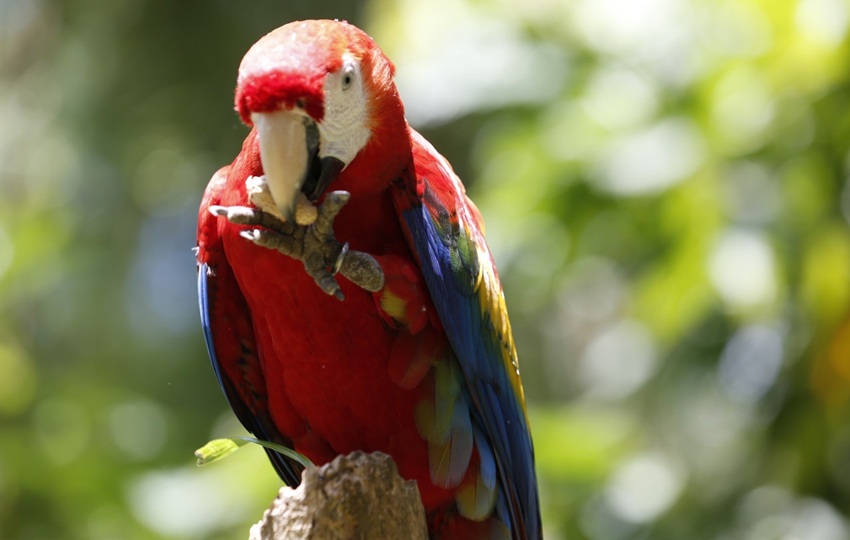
x=289, y=152
x=284, y=154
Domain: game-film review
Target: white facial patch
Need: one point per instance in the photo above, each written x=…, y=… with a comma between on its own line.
x=344, y=130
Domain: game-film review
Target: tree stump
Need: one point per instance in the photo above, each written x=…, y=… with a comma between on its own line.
x=355, y=496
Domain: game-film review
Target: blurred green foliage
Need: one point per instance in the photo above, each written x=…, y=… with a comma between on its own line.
x=666, y=185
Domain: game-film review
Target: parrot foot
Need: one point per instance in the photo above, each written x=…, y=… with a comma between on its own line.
x=314, y=245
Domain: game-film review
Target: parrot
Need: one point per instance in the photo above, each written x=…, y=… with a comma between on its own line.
x=349, y=301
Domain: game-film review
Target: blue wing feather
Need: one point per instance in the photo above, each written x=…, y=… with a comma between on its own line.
x=203, y=305
x=500, y=426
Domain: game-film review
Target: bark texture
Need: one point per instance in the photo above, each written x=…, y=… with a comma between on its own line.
x=353, y=497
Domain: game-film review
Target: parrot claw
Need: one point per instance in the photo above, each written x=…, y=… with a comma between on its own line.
x=314, y=244
x=252, y=235
x=340, y=258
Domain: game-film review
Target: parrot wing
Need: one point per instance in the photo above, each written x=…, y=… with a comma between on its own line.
x=445, y=231
x=229, y=335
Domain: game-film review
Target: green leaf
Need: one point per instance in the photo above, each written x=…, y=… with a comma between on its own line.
x=217, y=449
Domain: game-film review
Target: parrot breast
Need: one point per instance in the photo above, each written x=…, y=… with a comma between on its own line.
x=327, y=363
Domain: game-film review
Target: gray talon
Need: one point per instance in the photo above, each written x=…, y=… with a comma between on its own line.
x=340, y=259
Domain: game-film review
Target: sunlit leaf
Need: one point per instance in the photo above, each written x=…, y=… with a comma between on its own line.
x=218, y=449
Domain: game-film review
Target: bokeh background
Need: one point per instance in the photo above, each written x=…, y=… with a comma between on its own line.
x=666, y=185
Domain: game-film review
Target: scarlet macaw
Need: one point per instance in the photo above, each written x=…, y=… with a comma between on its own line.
x=418, y=359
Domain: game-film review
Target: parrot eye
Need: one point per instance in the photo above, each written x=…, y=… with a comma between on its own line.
x=347, y=77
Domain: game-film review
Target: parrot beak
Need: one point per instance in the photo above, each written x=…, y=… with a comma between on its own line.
x=284, y=154
x=289, y=145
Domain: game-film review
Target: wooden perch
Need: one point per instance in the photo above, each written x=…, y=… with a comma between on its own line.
x=358, y=496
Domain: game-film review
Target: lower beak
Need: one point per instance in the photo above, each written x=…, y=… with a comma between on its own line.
x=288, y=151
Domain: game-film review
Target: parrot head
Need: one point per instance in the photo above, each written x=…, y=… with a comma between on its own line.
x=319, y=93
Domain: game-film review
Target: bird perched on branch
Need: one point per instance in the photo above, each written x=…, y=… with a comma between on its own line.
x=348, y=298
